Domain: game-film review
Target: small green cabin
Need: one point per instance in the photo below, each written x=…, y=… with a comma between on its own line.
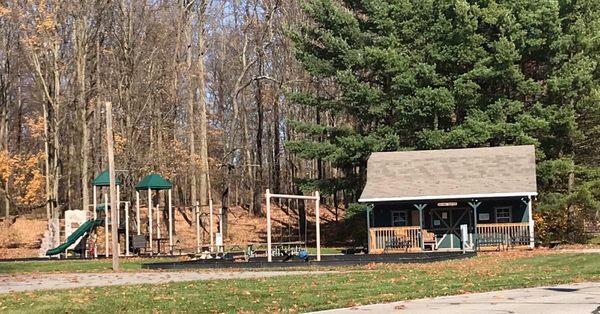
x=452, y=199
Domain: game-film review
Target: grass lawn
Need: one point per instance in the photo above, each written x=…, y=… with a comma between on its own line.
x=75, y=266
x=363, y=285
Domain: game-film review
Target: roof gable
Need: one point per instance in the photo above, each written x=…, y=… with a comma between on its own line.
x=451, y=173
x=154, y=182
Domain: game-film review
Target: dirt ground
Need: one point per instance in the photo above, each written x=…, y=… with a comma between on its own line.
x=22, y=238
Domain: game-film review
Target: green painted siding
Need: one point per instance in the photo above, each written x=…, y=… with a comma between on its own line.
x=383, y=217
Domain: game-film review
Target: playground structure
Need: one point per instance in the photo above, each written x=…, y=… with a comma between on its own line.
x=101, y=217
x=150, y=183
x=146, y=236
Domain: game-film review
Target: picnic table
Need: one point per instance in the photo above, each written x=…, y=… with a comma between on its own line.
x=159, y=241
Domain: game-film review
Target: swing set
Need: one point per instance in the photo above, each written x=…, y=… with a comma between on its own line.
x=316, y=197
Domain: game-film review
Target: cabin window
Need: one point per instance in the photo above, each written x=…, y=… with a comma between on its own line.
x=398, y=218
x=503, y=214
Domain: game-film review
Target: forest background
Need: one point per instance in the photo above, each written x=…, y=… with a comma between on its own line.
x=228, y=98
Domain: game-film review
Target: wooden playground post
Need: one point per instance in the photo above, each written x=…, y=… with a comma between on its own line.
x=113, y=193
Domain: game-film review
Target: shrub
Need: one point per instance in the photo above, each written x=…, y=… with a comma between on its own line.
x=355, y=224
x=561, y=217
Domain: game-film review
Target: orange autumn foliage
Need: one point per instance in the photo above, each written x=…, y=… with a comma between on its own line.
x=24, y=174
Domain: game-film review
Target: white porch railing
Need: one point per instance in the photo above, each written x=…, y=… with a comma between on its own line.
x=515, y=231
x=379, y=236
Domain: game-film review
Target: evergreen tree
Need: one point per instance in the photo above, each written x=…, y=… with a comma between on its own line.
x=431, y=74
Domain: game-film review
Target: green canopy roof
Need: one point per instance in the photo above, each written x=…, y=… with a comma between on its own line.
x=100, y=207
x=154, y=182
x=103, y=179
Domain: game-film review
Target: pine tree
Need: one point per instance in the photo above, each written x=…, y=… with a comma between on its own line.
x=448, y=74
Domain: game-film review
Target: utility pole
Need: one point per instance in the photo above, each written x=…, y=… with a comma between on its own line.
x=113, y=191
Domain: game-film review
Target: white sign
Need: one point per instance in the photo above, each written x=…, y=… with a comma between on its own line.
x=447, y=204
x=484, y=216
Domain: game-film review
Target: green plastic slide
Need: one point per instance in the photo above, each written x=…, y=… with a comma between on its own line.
x=80, y=232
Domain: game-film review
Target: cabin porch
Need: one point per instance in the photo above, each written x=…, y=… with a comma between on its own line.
x=472, y=225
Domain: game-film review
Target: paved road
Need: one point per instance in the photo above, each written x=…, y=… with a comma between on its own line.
x=573, y=298
x=31, y=282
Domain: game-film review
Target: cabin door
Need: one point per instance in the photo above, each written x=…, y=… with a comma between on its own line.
x=445, y=223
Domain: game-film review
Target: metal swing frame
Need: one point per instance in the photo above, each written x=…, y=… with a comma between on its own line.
x=316, y=197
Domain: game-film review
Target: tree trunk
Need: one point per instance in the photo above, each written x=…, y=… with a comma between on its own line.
x=80, y=57
x=256, y=199
x=276, y=147
x=190, y=100
x=204, y=177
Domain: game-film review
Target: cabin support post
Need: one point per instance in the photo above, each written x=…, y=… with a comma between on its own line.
x=528, y=202
x=475, y=204
x=421, y=207
x=369, y=210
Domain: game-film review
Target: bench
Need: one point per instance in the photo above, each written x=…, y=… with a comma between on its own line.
x=429, y=241
x=554, y=244
x=519, y=240
x=354, y=250
x=138, y=242
x=492, y=239
x=397, y=243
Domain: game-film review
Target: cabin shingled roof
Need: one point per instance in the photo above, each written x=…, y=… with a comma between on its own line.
x=450, y=172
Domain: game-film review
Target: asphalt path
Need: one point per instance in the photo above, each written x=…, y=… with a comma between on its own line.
x=571, y=298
